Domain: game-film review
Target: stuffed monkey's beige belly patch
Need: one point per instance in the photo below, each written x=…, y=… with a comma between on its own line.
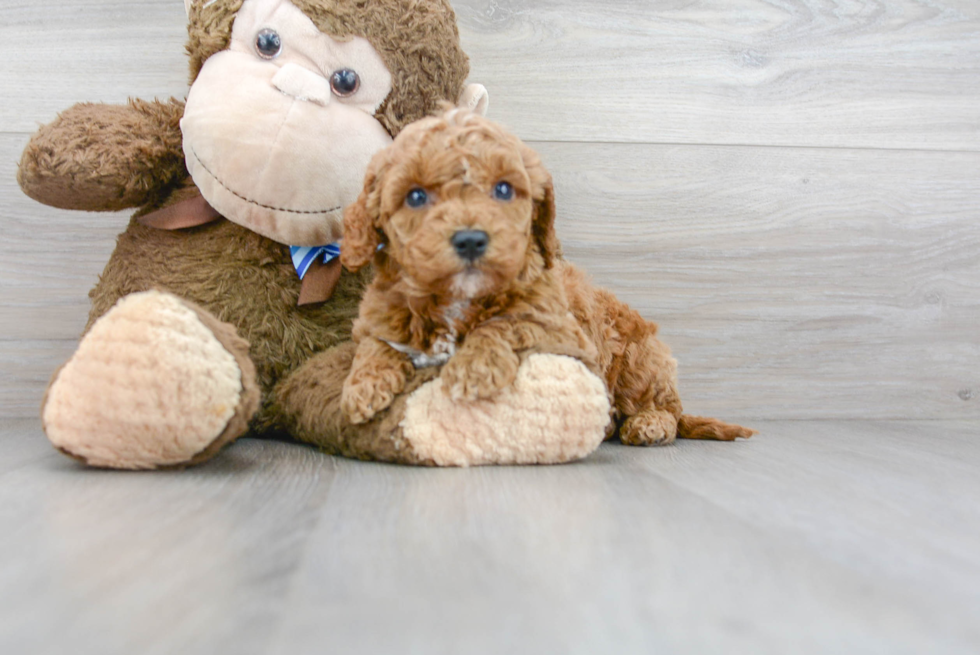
x=149, y=386
x=556, y=411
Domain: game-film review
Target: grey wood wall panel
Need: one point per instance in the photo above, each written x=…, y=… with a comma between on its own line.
x=896, y=74
x=60, y=52
x=891, y=74
x=790, y=282
x=25, y=368
x=49, y=258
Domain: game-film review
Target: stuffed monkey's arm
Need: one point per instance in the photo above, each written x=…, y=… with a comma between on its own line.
x=99, y=157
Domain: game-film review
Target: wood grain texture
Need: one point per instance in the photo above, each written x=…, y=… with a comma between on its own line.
x=790, y=282
x=117, y=563
x=65, y=51
x=49, y=258
x=813, y=537
x=25, y=369
x=887, y=74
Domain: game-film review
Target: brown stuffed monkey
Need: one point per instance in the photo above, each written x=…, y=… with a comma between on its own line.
x=223, y=310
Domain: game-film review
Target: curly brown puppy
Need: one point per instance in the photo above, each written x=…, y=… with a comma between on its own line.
x=458, y=217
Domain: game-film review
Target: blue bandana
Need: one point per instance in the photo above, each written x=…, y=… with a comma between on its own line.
x=303, y=257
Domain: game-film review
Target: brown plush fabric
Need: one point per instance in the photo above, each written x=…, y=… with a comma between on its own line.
x=309, y=401
x=106, y=157
x=418, y=41
x=555, y=411
x=242, y=278
x=248, y=404
x=209, y=30
x=101, y=157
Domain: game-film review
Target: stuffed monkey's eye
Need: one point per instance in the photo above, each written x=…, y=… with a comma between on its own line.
x=503, y=191
x=268, y=45
x=416, y=198
x=345, y=82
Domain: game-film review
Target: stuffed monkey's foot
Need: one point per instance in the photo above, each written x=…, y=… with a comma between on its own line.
x=155, y=383
x=555, y=411
x=650, y=427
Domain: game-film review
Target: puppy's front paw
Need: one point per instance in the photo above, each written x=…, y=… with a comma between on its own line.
x=363, y=397
x=477, y=375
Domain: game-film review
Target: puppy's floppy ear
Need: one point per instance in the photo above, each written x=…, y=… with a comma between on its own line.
x=543, y=194
x=362, y=220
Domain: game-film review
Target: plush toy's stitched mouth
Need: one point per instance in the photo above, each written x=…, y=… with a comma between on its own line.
x=255, y=202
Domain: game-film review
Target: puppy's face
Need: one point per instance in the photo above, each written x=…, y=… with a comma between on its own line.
x=463, y=208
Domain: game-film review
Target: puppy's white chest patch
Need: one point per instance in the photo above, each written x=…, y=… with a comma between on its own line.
x=468, y=284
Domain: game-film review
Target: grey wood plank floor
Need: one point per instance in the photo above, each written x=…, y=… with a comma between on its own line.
x=821, y=536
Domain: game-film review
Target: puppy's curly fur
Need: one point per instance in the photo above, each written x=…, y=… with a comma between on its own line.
x=432, y=303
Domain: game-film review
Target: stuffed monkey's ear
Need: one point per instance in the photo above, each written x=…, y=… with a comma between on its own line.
x=543, y=195
x=362, y=229
x=475, y=98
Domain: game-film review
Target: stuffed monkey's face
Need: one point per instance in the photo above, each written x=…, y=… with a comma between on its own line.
x=279, y=128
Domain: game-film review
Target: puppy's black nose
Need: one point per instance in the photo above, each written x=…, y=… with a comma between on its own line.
x=471, y=244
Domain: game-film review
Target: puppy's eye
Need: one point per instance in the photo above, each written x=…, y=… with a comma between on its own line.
x=268, y=45
x=416, y=198
x=345, y=82
x=503, y=191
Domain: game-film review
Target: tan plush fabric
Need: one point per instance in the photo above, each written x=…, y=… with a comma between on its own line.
x=150, y=385
x=556, y=411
